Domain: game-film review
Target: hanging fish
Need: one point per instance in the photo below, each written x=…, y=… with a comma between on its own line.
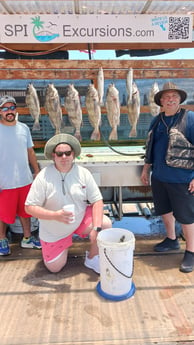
x=53, y=107
x=100, y=85
x=113, y=110
x=32, y=102
x=133, y=107
x=154, y=108
x=94, y=111
x=74, y=110
x=129, y=83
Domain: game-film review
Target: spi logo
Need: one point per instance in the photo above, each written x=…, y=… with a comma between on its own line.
x=44, y=32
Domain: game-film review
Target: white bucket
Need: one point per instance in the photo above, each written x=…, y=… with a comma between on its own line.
x=116, y=247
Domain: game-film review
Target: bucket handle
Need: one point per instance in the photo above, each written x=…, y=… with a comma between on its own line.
x=123, y=274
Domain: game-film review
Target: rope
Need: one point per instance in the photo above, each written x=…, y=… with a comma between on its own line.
x=123, y=274
x=18, y=52
x=113, y=149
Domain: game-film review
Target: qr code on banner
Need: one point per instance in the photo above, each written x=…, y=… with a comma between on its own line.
x=178, y=28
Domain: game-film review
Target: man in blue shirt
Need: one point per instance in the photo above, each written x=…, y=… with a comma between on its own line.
x=172, y=188
x=17, y=155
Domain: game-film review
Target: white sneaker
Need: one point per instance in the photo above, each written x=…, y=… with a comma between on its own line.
x=92, y=263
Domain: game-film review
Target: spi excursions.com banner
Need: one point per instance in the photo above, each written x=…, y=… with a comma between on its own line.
x=95, y=28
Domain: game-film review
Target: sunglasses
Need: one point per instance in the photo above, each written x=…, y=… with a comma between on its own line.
x=13, y=107
x=60, y=153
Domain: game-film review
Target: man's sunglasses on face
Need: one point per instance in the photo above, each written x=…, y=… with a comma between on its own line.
x=12, y=107
x=60, y=153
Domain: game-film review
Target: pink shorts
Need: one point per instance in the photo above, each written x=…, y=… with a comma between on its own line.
x=12, y=204
x=51, y=250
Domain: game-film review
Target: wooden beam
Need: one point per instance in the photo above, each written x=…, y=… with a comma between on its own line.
x=77, y=75
x=36, y=47
x=23, y=111
x=88, y=69
x=94, y=64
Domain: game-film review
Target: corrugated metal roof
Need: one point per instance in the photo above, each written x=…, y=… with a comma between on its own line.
x=96, y=7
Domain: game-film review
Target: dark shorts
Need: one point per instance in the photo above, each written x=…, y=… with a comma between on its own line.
x=175, y=198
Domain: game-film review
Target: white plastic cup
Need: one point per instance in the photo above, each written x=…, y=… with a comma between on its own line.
x=70, y=208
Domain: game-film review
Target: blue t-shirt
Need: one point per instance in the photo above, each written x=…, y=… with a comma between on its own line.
x=160, y=169
x=14, y=143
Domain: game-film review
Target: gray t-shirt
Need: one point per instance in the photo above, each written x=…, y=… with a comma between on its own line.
x=47, y=191
x=14, y=143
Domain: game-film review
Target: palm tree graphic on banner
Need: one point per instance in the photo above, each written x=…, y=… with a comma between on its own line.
x=44, y=33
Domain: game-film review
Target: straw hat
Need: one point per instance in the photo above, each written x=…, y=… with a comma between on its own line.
x=61, y=138
x=169, y=86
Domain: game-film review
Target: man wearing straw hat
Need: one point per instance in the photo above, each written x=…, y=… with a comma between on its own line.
x=61, y=183
x=172, y=186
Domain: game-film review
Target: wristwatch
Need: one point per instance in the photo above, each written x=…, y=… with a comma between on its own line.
x=97, y=228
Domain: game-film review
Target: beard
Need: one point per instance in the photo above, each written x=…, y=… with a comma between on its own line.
x=9, y=118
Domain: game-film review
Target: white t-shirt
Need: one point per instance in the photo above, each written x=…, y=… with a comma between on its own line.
x=46, y=191
x=14, y=143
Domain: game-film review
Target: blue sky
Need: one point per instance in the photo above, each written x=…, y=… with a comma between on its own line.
x=180, y=54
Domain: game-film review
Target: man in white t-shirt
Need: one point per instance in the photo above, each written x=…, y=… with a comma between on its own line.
x=61, y=183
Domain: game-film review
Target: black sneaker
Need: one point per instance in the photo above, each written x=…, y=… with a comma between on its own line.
x=166, y=245
x=187, y=264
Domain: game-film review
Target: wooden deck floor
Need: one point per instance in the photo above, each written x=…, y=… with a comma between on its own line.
x=38, y=307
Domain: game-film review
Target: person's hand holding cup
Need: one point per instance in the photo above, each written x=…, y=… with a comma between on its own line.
x=70, y=208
